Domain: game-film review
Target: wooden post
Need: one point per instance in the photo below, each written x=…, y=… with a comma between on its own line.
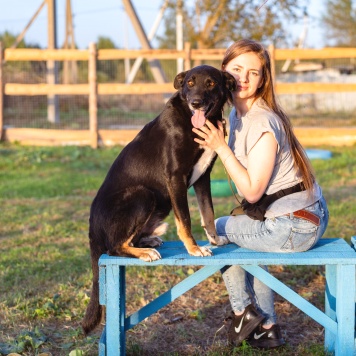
x=273, y=66
x=187, y=59
x=1, y=93
x=70, y=68
x=179, y=34
x=52, y=67
x=93, y=96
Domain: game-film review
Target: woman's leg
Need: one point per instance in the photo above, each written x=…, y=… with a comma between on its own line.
x=244, y=289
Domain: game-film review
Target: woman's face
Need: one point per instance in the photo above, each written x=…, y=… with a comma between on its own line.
x=247, y=70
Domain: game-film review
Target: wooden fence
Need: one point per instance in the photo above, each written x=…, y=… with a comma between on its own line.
x=94, y=136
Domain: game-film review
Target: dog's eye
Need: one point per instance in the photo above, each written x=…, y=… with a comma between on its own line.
x=190, y=83
x=211, y=84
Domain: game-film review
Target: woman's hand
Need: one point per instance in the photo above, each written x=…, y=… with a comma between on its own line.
x=211, y=136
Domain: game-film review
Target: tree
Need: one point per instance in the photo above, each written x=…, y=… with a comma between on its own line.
x=105, y=43
x=212, y=24
x=339, y=21
x=8, y=39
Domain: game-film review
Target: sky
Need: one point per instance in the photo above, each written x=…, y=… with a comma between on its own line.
x=107, y=18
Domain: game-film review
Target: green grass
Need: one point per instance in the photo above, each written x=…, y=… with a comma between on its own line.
x=45, y=276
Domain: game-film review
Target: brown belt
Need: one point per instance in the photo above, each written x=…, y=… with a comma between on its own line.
x=306, y=215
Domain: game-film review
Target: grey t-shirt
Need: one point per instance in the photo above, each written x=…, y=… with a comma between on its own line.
x=244, y=134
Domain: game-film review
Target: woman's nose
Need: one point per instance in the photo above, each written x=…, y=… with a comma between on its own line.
x=243, y=77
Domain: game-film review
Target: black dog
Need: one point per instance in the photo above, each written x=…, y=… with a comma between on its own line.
x=151, y=176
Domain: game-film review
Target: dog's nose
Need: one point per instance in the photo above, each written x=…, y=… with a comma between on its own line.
x=197, y=103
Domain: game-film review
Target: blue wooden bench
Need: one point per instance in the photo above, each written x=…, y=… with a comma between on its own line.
x=338, y=257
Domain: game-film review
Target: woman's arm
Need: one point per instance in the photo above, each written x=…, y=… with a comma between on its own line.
x=251, y=182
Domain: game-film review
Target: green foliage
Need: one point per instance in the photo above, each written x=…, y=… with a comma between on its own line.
x=208, y=24
x=25, y=341
x=8, y=39
x=339, y=19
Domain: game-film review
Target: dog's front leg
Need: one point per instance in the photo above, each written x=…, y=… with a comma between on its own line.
x=205, y=203
x=178, y=194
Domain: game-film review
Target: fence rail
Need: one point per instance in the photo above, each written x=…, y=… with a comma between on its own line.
x=92, y=88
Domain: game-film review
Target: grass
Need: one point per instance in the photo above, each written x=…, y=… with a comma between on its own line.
x=45, y=276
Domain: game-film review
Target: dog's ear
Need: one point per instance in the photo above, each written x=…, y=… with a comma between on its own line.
x=179, y=79
x=230, y=81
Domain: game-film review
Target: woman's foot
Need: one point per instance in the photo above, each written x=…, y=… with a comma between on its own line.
x=266, y=338
x=243, y=325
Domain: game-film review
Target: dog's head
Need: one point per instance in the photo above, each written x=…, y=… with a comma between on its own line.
x=206, y=90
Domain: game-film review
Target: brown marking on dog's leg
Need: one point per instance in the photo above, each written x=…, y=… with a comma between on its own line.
x=189, y=242
x=145, y=254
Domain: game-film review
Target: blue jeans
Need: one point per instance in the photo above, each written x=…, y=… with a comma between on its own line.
x=281, y=234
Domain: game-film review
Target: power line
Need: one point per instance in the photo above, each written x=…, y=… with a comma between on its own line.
x=79, y=13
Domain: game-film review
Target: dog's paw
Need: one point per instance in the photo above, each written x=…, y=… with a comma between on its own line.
x=150, y=255
x=217, y=240
x=200, y=251
x=221, y=240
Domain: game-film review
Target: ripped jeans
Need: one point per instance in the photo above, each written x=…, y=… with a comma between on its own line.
x=280, y=234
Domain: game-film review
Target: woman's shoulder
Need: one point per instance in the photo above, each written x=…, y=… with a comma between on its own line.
x=261, y=114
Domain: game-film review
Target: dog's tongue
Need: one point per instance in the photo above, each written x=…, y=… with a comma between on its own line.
x=198, y=119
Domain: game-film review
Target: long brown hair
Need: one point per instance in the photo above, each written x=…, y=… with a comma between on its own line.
x=266, y=92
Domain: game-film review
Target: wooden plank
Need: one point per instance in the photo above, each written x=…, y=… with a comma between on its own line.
x=207, y=54
x=116, y=137
x=138, y=89
x=331, y=136
x=34, y=54
x=324, y=53
x=314, y=87
x=47, y=137
x=309, y=137
x=45, y=89
x=223, y=255
x=153, y=88
x=109, y=54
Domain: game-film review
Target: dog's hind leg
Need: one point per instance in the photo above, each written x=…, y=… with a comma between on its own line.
x=129, y=221
x=153, y=240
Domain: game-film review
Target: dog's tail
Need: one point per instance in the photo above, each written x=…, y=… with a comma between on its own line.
x=94, y=310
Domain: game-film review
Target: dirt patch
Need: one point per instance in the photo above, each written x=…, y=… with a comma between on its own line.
x=193, y=324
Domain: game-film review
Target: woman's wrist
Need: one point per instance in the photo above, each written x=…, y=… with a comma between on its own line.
x=224, y=153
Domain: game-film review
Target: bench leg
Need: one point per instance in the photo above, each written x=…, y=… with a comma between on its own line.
x=330, y=305
x=345, y=309
x=115, y=310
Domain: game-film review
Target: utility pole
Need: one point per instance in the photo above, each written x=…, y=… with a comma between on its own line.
x=70, y=69
x=156, y=69
x=52, y=68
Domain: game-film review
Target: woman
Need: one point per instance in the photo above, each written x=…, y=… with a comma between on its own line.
x=262, y=157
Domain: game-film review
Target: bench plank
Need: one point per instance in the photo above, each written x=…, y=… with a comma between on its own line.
x=327, y=251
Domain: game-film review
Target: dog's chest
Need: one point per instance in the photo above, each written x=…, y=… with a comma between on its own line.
x=201, y=166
